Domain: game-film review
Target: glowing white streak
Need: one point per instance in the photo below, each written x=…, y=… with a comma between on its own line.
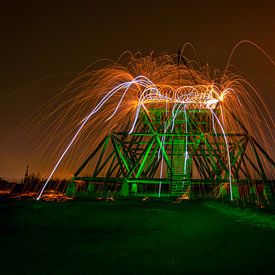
x=161, y=169
x=135, y=120
x=175, y=116
x=126, y=90
x=186, y=146
x=95, y=110
x=62, y=156
x=161, y=164
x=211, y=103
x=140, y=103
x=213, y=123
x=186, y=138
x=228, y=155
x=222, y=115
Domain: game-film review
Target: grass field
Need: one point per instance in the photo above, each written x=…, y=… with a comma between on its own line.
x=134, y=237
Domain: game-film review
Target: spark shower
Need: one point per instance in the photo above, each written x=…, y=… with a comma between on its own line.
x=218, y=118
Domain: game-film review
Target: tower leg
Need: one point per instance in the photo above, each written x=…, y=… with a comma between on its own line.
x=124, y=189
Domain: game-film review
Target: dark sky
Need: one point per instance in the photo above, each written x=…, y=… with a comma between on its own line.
x=43, y=38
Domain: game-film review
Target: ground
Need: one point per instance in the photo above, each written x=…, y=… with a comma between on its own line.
x=133, y=237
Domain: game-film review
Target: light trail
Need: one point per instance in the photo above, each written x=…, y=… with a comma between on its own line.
x=228, y=154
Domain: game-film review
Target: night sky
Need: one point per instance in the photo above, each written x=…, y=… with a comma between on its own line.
x=40, y=39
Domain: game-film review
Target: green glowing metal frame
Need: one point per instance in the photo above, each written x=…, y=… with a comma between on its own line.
x=154, y=162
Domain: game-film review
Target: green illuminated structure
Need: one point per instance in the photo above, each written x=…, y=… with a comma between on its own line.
x=183, y=157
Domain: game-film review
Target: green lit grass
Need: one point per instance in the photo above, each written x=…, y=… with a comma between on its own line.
x=133, y=237
x=254, y=217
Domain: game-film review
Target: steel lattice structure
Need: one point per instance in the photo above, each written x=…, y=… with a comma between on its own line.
x=186, y=156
